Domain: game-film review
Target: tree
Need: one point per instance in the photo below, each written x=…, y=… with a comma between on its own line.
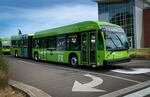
x=20, y=33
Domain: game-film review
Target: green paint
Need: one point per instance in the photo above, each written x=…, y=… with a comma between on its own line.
x=90, y=28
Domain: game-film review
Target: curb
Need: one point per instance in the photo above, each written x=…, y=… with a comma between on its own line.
x=31, y=91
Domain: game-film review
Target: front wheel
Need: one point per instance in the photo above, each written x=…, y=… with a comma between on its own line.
x=73, y=61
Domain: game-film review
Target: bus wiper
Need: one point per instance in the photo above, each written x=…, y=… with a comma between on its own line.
x=118, y=38
x=114, y=42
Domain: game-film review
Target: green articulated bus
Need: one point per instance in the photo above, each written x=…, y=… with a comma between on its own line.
x=21, y=46
x=85, y=43
x=5, y=45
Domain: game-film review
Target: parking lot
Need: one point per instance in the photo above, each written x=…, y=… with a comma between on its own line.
x=62, y=80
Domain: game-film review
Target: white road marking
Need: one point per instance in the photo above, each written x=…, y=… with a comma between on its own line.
x=25, y=62
x=112, y=76
x=88, y=87
x=140, y=93
x=127, y=90
x=132, y=71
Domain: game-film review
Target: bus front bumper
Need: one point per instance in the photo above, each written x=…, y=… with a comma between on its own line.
x=109, y=62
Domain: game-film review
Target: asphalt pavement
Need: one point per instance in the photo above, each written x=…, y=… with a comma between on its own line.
x=61, y=80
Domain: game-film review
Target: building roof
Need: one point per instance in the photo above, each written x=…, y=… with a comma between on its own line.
x=109, y=1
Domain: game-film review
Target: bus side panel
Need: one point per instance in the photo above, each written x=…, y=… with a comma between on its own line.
x=35, y=50
x=13, y=51
x=100, y=57
x=61, y=56
x=25, y=52
x=117, y=55
x=19, y=52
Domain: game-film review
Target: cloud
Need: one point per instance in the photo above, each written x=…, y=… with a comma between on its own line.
x=33, y=20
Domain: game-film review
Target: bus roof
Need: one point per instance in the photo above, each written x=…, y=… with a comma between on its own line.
x=78, y=27
x=5, y=39
x=19, y=37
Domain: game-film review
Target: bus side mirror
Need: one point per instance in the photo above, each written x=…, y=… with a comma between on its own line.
x=127, y=45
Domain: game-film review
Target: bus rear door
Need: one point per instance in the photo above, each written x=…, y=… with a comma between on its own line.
x=43, y=49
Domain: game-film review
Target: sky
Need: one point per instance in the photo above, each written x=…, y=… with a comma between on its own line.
x=36, y=15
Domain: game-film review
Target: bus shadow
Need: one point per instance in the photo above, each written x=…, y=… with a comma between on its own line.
x=63, y=66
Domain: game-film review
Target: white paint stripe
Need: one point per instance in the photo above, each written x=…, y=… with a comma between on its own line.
x=140, y=93
x=133, y=71
x=127, y=90
x=117, y=77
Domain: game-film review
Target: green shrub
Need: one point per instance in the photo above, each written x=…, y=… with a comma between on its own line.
x=0, y=47
x=143, y=53
x=3, y=63
x=4, y=76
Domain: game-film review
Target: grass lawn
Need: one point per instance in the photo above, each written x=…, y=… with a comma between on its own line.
x=143, y=53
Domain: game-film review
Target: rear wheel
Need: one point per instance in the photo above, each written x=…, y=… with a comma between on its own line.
x=73, y=61
x=36, y=57
x=16, y=54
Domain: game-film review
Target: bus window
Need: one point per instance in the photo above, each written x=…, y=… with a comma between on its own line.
x=18, y=43
x=100, y=41
x=51, y=42
x=43, y=42
x=36, y=43
x=73, y=42
x=13, y=43
x=25, y=42
x=61, y=43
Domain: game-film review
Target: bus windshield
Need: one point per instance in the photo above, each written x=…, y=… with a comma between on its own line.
x=115, y=37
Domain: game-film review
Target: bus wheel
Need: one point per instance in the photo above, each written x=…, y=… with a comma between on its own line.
x=36, y=58
x=73, y=61
x=16, y=54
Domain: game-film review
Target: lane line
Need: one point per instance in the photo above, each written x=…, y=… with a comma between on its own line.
x=132, y=71
x=112, y=76
x=140, y=93
x=127, y=90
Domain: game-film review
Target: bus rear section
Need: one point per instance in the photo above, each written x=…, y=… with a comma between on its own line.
x=22, y=46
x=115, y=45
x=6, y=45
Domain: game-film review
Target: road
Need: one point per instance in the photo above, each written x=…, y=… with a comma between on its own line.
x=62, y=80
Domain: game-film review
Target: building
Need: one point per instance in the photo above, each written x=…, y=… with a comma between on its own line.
x=146, y=28
x=132, y=15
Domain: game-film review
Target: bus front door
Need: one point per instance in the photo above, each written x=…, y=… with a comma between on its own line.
x=88, y=48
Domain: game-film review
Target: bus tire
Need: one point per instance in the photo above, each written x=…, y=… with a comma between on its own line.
x=73, y=60
x=36, y=57
x=16, y=54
